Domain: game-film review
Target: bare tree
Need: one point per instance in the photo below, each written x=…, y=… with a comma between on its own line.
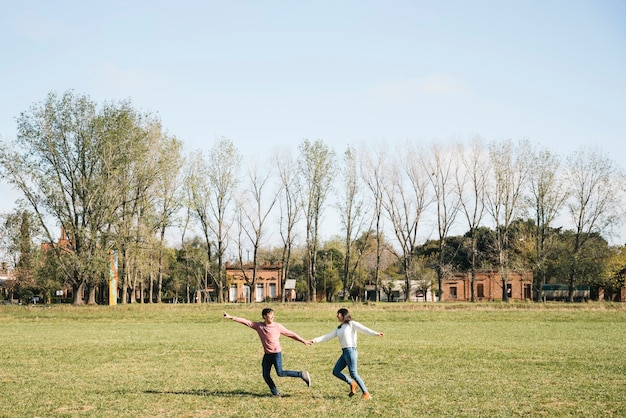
x=509, y=173
x=406, y=200
x=471, y=177
x=255, y=206
x=373, y=175
x=440, y=172
x=593, y=201
x=290, y=210
x=317, y=168
x=212, y=184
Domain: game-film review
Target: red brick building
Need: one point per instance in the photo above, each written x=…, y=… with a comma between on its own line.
x=488, y=286
x=267, y=286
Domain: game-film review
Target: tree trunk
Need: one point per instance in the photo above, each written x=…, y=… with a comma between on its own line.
x=78, y=294
x=91, y=299
x=159, y=287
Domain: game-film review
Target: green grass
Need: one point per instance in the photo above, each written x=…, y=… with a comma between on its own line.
x=465, y=360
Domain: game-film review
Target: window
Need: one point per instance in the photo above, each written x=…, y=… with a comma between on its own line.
x=453, y=293
x=509, y=290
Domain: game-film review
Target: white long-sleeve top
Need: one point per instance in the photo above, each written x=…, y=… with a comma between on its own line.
x=346, y=334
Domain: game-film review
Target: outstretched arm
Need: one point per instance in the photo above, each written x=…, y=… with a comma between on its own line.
x=243, y=321
x=287, y=333
x=365, y=330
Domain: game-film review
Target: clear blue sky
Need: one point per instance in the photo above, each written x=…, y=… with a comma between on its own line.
x=270, y=73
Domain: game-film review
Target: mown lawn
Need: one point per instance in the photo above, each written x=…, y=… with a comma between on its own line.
x=465, y=360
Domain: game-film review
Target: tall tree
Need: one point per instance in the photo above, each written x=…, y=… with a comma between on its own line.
x=592, y=204
x=290, y=205
x=547, y=197
x=407, y=197
x=317, y=169
x=168, y=198
x=440, y=171
x=471, y=177
x=373, y=173
x=504, y=197
x=133, y=182
x=212, y=185
x=352, y=211
x=64, y=159
x=255, y=205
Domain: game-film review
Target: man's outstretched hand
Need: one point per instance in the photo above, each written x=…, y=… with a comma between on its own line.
x=226, y=316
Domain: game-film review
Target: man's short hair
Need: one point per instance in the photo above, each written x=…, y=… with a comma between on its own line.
x=266, y=311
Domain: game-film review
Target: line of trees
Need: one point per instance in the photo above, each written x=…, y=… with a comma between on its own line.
x=114, y=180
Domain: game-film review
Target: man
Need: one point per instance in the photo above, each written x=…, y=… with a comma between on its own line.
x=269, y=333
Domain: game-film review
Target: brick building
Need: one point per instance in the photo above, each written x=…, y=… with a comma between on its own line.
x=488, y=286
x=267, y=286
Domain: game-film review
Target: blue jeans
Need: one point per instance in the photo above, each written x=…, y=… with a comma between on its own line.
x=276, y=360
x=348, y=359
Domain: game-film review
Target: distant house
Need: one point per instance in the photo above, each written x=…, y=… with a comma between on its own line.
x=267, y=286
x=488, y=286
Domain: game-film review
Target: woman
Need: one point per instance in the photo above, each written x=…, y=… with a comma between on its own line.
x=346, y=333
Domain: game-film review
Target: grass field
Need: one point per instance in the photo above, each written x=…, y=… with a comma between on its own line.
x=464, y=360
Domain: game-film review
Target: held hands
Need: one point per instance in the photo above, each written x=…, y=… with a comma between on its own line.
x=308, y=342
x=382, y=334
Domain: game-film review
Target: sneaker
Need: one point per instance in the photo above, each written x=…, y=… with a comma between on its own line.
x=353, y=387
x=276, y=395
x=366, y=396
x=307, y=378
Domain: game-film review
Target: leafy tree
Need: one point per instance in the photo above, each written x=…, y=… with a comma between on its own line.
x=189, y=270
x=353, y=213
x=167, y=198
x=62, y=162
x=615, y=273
x=317, y=169
x=329, y=275
x=547, y=197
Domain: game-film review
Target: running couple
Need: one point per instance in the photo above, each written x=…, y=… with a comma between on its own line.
x=270, y=331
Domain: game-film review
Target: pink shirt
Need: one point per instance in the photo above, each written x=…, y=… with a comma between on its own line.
x=269, y=334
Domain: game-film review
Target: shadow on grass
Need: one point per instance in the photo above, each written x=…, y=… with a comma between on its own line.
x=204, y=392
